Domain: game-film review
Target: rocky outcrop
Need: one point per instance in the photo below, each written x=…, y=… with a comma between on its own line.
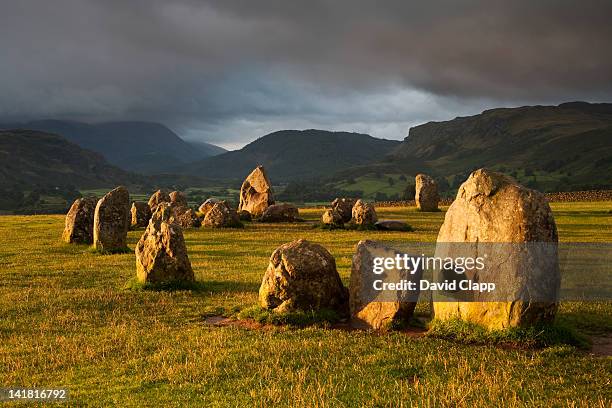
x=513, y=227
x=256, y=193
x=222, y=215
x=344, y=207
x=302, y=276
x=141, y=214
x=112, y=221
x=79, y=221
x=371, y=309
x=280, y=213
x=426, y=193
x=161, y=254
x=364, y=214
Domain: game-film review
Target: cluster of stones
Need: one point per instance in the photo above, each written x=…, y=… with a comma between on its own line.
x=103, y=223
x=489, y=208
x=358, y=213
x=302, y=276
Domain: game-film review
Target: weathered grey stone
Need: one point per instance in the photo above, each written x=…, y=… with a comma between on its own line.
x=280, y=213
x=207, y=205
x=79, y=221
x=222, y=216
x=158, y=197
x=344, y=207
x=185, y=217
x=332, y=217
x=141, y=214
x=178, y=199
x=364, y=214
x=494, y=212
x=371, y=309
x=112, y=221
x=302, y=276
x=161, y=254
x=426, y=193
x=256, y=193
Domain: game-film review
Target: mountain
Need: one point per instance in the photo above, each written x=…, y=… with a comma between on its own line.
x=206, y=149
x=142, y=147
x=294, y=154
x=569, y=145
x=32, y=159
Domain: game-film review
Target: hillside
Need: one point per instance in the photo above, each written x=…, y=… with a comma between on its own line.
x=555, y=147
x=39, y=159
x=295, y=154
x=206, y=149
x=41, y=172
x=142, y=147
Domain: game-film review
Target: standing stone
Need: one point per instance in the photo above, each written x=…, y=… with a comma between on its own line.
x=364, y=214
x=514, y=226
x=302, y=276
x=207, y=205
x=332, y=217
x=256, y=193
x=141, y=214
x=280, y=213
x=185, y=217
x=177, y=198
x=161, y=254
x=344, y=207
x=371, y=309
x=426, y=193
x=157, y=198
x=79, y=221
x=112, y=221
x=222, y=215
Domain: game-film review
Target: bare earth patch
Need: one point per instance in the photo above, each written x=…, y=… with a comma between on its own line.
x=602, y=345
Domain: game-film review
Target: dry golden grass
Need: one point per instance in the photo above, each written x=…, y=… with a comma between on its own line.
x=65, y=321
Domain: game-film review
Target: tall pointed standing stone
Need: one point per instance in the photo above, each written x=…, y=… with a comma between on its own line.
x=256, y=193
x=112, y=221
x=80, y=220
x=426, y=193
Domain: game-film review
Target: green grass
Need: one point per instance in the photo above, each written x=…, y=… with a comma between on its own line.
x=370, y=184
x=67, y=320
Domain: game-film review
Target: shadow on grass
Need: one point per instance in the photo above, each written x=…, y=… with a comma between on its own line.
x=323, y=317
x=199, y=287
x=538, y=336
x=119, y=251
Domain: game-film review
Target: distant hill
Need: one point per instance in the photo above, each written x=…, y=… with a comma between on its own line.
x=556, y=147
x=294, y=155
x=142, y=147
x=206, y=149
x=32, y=159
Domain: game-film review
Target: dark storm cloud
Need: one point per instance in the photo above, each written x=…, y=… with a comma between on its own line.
x=226, y=71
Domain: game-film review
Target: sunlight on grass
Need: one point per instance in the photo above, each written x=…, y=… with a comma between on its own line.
x=66, y=320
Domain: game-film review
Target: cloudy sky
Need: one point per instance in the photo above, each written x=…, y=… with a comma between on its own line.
x=230, y=71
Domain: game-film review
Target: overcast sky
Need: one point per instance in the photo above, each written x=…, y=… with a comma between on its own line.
x=230, y=71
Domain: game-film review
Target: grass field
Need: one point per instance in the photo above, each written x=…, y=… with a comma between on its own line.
x=66, y=321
